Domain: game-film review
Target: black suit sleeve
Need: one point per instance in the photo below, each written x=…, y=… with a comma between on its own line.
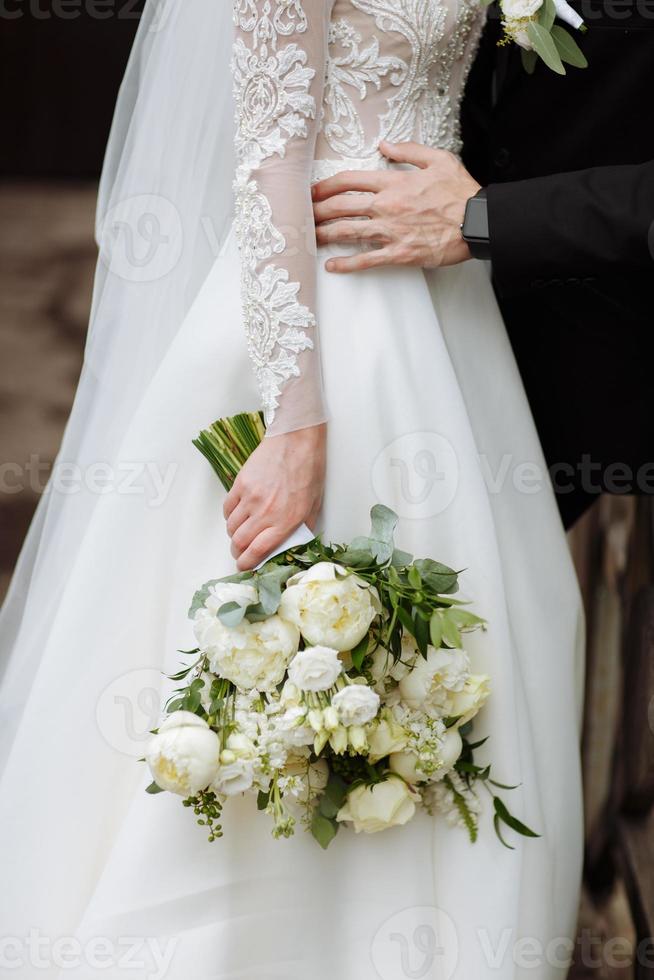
x=593, y=222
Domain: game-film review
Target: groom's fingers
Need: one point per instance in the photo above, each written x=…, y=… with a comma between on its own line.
x=372, y=181
x=361, y=261
x=412, y=153
x=349, y=232
x=342, y=206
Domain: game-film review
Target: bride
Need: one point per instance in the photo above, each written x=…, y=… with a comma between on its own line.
x=396, y=386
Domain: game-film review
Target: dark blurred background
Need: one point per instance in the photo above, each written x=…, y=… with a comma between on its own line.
x=61, y=64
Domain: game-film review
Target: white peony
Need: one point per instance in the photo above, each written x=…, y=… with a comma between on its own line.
x=356, y=704
x=206, y=623
x=370, y=809
x=434, y=678
x=465, y=704
x=330, y=607
x=184, y=756
x=253, y=655
x=315, y=669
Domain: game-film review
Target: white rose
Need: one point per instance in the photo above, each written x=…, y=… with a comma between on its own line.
x=370, y=809
x=315, y=669
x=356, y=704
x=467, y=703
x=449, y=750
x=328, y=607
x=253, y=655
x=295, y=728
x=434, y=678
x=206, y=623
x=385, y=736
x=183, y=757
x=405, y=764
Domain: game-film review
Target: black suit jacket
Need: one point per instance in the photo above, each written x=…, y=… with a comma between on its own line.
x=569, y=161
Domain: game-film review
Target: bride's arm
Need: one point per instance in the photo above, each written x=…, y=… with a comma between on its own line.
x=278, y=70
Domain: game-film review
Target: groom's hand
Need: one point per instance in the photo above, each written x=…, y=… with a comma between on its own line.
x=410, y=217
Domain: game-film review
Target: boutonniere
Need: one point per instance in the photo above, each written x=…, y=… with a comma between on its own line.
x=531, y=24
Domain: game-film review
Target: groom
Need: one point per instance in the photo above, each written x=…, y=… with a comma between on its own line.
x=563, y=205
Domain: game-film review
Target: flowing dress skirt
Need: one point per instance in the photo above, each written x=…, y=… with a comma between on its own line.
x=427, y=415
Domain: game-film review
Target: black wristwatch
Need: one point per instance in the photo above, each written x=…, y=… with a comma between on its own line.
x=475, y=226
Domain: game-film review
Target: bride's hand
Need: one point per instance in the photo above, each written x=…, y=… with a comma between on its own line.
x=279, y=488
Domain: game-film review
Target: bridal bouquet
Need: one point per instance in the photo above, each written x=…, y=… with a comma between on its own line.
x=332, y=684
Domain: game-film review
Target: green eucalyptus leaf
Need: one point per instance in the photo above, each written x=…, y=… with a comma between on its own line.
x=269, y=586
x=439, y=578
x=153, y=789
x=545, y=47
x=232, y=614
x=401, y=559
x=547, y=15
x=465, y=620
x=451, y=633
x=323, y=830
x=262, y=800
x=529, y=60
x=358, y=557
x=436, y=630
x=568, y=48
x=383, y=523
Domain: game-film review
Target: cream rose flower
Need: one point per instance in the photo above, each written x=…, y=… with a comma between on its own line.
x=434, y=678
x=253, y=655
x=356, y=704
x=184, y=756
x=370, y=809
x=467, y=703
x=315, y=669
x=330, y=607
x=449, y=751
x=385, y=736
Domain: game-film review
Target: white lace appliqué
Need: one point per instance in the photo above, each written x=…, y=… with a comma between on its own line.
x=271, y=89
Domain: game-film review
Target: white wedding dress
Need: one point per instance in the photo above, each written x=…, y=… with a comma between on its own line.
x=427, y=414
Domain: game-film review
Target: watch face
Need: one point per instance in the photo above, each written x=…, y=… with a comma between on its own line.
x=476, y=219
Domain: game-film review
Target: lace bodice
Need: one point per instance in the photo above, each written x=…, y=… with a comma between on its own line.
x=318, y=83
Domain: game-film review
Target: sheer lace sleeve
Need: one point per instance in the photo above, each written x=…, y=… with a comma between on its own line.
x=280, y=50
